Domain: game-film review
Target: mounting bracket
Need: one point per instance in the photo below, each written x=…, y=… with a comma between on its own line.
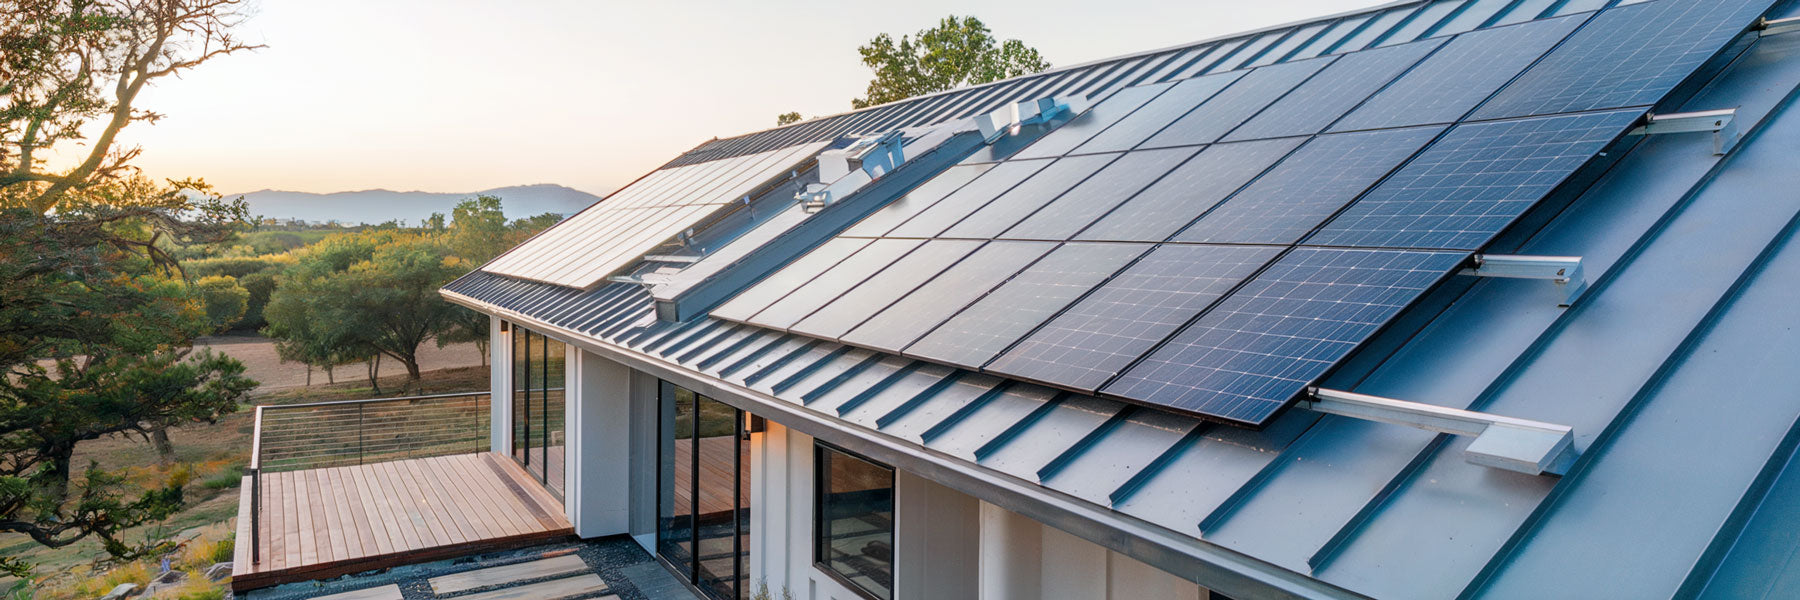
x=1525, y=446
x=1767, y=27
x=1007, y=120
x=1564, y=271
x=1722, y=123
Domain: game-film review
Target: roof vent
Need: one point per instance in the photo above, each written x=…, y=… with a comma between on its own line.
x=1530, y=447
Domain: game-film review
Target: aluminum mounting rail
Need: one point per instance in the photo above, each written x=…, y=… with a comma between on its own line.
x=1722, y=123
x=1564, y=271
x=1525, y=446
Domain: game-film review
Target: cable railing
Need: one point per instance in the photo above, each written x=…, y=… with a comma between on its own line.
x=292, y=437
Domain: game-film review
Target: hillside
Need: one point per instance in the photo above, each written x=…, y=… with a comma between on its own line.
x=376, y=206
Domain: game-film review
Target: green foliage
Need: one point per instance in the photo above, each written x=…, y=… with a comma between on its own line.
x=224, y=300
x=260, y=286
x=787, y=118
x=236, y=266
x=478, y=231
x=959, y=51
x=230, y=477
x=357, y=295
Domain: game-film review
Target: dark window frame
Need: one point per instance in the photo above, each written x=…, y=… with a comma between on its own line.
x=689, y=574
x=819, y=540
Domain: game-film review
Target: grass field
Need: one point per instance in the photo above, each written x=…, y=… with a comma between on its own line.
x=212, y=456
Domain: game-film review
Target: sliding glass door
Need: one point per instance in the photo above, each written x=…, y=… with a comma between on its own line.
x=703, y=500
x=538, y=437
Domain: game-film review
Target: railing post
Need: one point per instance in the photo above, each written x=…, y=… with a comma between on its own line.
x=360, y=434
x=255, y=470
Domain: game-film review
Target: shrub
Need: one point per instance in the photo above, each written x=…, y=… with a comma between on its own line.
x=230, y=477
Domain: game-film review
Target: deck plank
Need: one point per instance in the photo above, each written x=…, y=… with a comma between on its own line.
x=555, y=588
x=326, y=522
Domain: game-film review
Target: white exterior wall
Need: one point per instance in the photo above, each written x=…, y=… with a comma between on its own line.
x=948, y=545
x=1024, y=559
x=500, y=350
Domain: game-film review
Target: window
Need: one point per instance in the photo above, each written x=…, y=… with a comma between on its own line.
x=703, y=483
x=853, y=527
x=537, y=406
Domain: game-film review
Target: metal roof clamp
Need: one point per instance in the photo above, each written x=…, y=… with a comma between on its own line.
x=1009, y=119
x=1722, y=123
x=1522, y=445
x=874, y=156
x=1564, y=271
x=1768, y=27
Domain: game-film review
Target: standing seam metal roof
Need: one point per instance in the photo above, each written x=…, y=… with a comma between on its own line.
x=1671, y=370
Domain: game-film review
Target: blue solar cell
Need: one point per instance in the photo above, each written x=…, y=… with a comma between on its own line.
x=1466, y=71
x=984, y=329
x=839, y=315
x=937, y=300
x=1133, y=130
x=969, y=198
x=1075, y=210
x=1091, y=342
x=1308, y=187
x=1332, y=37
x=916, y=201
x=1333, y=92
x=1627, y=56
x=1237, y=103
x=751, y=301
x=1524, y=10
x=1018, y=203
x=1257, y=350
x=1188, y=191
x=1474, y=182
x=803, y=300
x=1084, y=126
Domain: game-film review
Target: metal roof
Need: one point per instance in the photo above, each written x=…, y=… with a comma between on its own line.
x=1670, y=369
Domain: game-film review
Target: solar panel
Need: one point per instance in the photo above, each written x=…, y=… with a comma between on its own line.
x=1237, y=103
x=838, y=315
x=1088, y=344
x=584, y=249
x=916, y=201
x=1192, y=188
x=1333, y=92
x=1158, y=113
x=1024, y=199
x=802, y=301
x=1077, y=208
x=797, y=273
x=939, y=299
x=984, y=329
x=1308, y=187
x=1258, y=349
x=1628, y=56
x=1093, y=121
x=1449, y=84
x=970, y=198
x=1471, y=184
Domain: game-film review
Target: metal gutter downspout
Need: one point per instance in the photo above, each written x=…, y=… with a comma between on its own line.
x=1215, y=567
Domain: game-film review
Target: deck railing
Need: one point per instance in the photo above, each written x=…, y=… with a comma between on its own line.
x=319, y=435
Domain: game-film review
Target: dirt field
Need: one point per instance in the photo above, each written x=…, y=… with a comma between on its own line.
x=261, y=363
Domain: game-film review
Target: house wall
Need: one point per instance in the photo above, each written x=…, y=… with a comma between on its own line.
x=948, y=545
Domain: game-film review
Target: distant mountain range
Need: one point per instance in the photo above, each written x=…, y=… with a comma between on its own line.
x=377, y=206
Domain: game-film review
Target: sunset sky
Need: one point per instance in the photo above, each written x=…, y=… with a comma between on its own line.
x=465, y=95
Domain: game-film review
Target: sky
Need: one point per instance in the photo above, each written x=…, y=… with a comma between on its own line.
x=467, y=95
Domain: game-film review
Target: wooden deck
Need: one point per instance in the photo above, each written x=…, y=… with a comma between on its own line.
x=323, y=523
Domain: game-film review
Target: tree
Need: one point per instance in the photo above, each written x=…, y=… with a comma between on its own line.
x=959, y=51
x=370, y=293
x=86, y=277
x=787, y=118
x=223, y=299
x=478, y=229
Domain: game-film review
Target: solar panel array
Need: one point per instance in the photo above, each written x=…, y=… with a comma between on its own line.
x=584, y=249
x=1215, y=245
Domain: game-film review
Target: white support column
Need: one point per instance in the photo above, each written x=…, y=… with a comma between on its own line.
x=500, y=350
x=597, y=497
